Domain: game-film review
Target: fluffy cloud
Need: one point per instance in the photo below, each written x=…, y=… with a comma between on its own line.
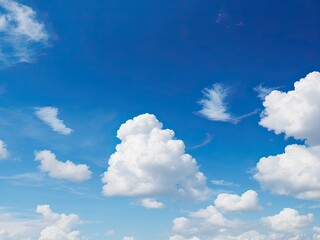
x=50, y=116
x=206, y=221
x=151, y=203
x=295, y=172
x=149, y=162
x=3, y=150
x=213, y=104
x=248, y=201
x=295, y=113
x=21, y=35
x=51, y=226
x=288, y=220
x=62, y=170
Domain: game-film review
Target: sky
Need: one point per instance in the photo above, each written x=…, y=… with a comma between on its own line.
x=159, y=120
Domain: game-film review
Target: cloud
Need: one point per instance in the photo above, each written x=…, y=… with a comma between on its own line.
x=295, y=113
x=200, y=224
x=215, y=108
x=149, y=162
x=51, y=226
x=263, y=91
x=224, y=183
x=21, y=35
x=62, y=170
x=295, y=172
x=206, y=141
x=248, y=201
x=128, y=238
x=4, y=153
x=49, y=115
x=288, y=220
x=151, y=203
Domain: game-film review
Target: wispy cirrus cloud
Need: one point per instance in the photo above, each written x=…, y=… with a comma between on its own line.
x=49, y=115
x=21, y=35
x=215, y=107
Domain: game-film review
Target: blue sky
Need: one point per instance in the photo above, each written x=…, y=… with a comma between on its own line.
x=177, y=120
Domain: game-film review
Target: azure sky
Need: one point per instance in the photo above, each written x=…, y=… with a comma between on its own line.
x=159, y=120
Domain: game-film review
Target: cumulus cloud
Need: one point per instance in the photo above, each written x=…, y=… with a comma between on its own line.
x=248, y=201
x=51, y=226
x=206, y=221
x=49, y=115
x=149, y=162
x=295, y=113
x=21, y=35
x=4, y=153
x=288, y=220
x=151, y=203
x=215, y=108
x=295, y=172
x=62, y=170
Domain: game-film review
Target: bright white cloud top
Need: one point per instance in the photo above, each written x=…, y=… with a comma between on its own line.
x=295, y=172
x=4, y=153
x=149, y=162
x=295, y=113
x=51, y=226
x=49, y=115
x=151, y=203
x=21, y=34
x=288, y=220
x=213, y=104
x=62, y=170
x=247, y=202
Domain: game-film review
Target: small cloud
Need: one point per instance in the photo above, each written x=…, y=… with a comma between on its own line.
x=215, y=108
x=240, y=24
x=206, y=141
x=151, y=203
x=21, y=35
x=221, y=17
x=110, y=233
x=49, y=115
x=224, y=183
x=26, y=179
x=62, y=170
x=263, y=91
x=4, y=153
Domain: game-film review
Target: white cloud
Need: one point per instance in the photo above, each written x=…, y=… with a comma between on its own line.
x=151, y=203
x=128, y=238
x=179, y=237
x=204, y=222
x=248, y=201
x=51, y=226
x=213, y=104
x=295, y=113
x=295, y=172
x=62, y=170
x=149, y=162
x=50, y=116
x=224, y=183
x=215, y=108
x=263, y=91
x=4, y=153
x=21, y=35
x=288, y=220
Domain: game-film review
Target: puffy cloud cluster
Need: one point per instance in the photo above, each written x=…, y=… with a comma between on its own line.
x=248, y=201
x=150, y=163
x=209, y=224
x=51, y=226
x=49, y=115
x=21, y=34
x=288, y=220
x=4, y=153
x=295, y=172
x=62, y=170
x=151, y=203
x=295, y=113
